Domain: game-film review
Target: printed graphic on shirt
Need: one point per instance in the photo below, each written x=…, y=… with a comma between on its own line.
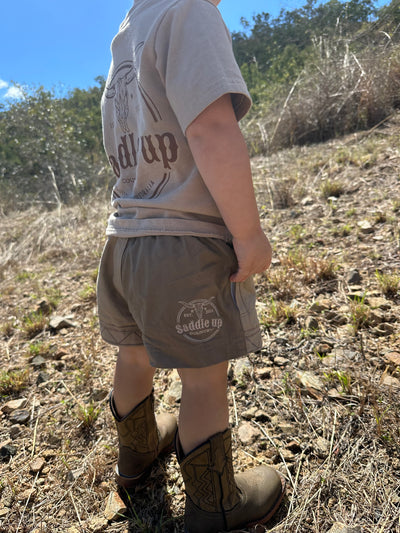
x=152, y=147
x=198, y=320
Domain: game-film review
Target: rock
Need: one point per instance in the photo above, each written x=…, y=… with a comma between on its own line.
x=97, y=524
x=15, y=431
x=174, y=392
x=115, y=507
x=293, y=446
x=37, y=465
x=376, y=302
x=7, y=451
x=322, y=349
x=322, y=447
x=393, y=357
x=265, y=372
x=249, y=413
x=335, y=318
x=356, y=294
x=14, y=405
x=43, y=377
x=60, y=322
x=247, y=433
x=310, y=380
x=311, y=323
x=242, y=369
x=281, y=361
x=20, y=416
x=307, y=200
x=38, y=361
x=353, y=277
x=338, y=527
x=390, y=381
x=365, y=227
x=319, y=306
x=26, y=496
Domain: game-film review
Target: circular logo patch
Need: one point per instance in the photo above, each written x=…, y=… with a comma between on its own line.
x=198, y=320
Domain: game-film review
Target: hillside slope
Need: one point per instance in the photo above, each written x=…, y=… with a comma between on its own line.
x=321, y=401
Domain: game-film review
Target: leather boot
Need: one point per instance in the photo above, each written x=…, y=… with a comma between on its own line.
x=216, y=499
x=142, y=438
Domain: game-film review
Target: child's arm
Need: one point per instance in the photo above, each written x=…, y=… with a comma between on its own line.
x=221, y=156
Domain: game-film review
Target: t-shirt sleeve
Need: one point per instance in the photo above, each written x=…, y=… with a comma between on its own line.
x=196, y=62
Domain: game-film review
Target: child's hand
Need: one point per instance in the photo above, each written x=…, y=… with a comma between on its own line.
x=253, y=254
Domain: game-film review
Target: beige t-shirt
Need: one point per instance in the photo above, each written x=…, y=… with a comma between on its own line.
x=170, y=60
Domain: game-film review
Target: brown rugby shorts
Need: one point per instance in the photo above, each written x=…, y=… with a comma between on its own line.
x=172, y=294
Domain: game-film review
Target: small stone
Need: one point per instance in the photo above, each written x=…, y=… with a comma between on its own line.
x=174, y=393
x=378, y=303
x=287, y=455
x=37, y=465
x=365, y=227
x=14, y=405
x=43, y=377
x=319, y=306
x=338, y=527
x=294, y=446
x=309, y=380
x=307, y=201
x=322, y=349
x=38, y=361
x=356, y=294
x=26, y=496
x=281, y=361
x=265, y=372
x=322, y=447
x=21, y=416
x=115, y=507
x=7, y=451
x=60, y=322
x=15, y=431
x=311, y=323
x=390, y=381
x=97, y=524
x=353, y=277
x=242, y=369
x=393, y=357
x=247, y=433
x=249, y=413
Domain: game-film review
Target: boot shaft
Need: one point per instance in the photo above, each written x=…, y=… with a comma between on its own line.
x=208, y=474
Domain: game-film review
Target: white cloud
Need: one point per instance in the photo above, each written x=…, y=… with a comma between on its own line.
x=3, y=84
x=14, y=92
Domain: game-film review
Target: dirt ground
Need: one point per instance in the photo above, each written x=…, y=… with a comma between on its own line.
x=320, y=402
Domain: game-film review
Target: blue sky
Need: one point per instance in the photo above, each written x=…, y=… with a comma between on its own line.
x=66, y=45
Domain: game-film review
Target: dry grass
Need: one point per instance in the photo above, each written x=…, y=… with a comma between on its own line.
x=323, y=395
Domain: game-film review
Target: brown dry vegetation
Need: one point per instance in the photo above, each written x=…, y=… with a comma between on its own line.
x=321, y=401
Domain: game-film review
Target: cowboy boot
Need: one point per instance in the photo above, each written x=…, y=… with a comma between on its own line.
x=142, y=438
x=216, y=499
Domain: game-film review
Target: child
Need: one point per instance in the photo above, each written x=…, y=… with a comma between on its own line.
x=175, y=284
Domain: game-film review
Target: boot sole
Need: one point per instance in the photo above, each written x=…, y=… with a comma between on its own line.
x=128, y=482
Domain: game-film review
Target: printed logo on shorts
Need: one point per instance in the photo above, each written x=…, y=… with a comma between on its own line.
x=198, y=320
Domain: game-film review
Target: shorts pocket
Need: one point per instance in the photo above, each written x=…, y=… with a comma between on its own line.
x=244, y=296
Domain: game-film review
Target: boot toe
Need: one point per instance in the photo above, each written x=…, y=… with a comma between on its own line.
x=262, y=489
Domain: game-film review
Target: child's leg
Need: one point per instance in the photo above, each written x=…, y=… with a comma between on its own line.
x=142, y=436
x=133, y=378
x=204, y=404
